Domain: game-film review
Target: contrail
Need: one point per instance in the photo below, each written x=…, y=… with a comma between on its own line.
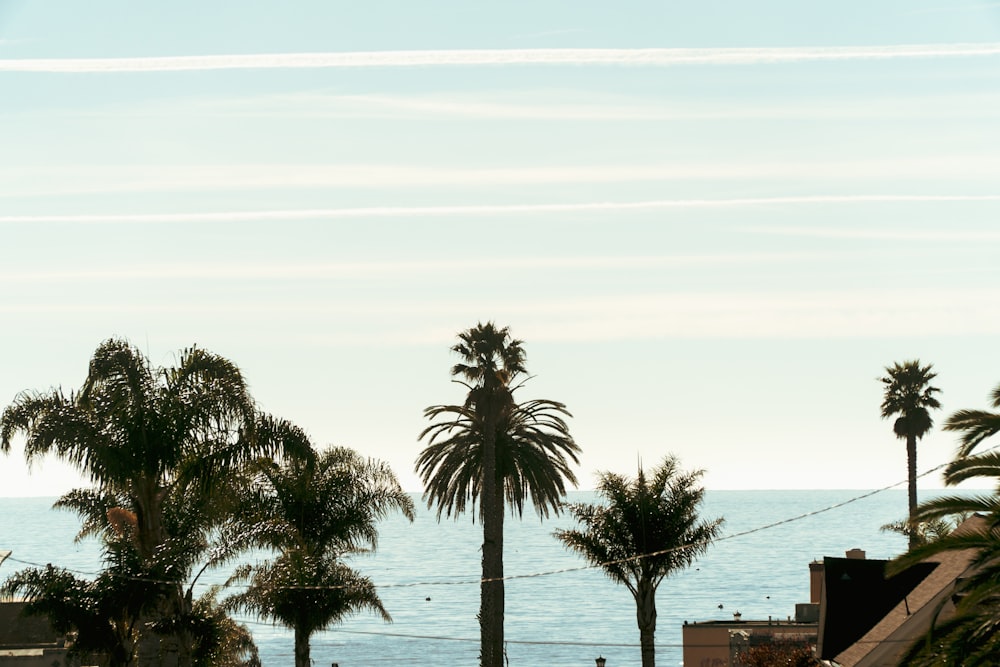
x=476, y=210
x=500, y=57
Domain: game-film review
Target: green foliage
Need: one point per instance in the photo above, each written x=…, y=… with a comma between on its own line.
x=970, y=636
x=106, y=616
x=646, y=529
x=975, y=425
x=534, y=450
x=308, y=592
x=921, y=533
x=220, y=641
x=534, y=453
x=909, y=394
x=161, y=447
x=496, y=451
x=103, y=614
x=777, y=653
x=313, y=511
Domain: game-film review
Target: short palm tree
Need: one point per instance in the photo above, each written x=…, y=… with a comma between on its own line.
x=909, y=396
x=646, y=529
x=313, y=511
x=496, y=451
x=104, y=613
x=146, y=437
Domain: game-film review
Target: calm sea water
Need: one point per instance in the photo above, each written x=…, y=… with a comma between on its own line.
x=556, y=612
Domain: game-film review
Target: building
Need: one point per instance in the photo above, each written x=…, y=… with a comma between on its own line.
x=717, y=643
x=870, y=620
x=857, y=616
x=28, y=641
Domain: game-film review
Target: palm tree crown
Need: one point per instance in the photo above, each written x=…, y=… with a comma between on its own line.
x=909, y=394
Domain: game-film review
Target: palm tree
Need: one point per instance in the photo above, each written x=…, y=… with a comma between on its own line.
x=972, y=635
x=909, y=394
x=975, y=425
x=925, y=531
x=313, y=511
x=645, y=529
x=104, y=613
x=495, y=451
x=146, y=437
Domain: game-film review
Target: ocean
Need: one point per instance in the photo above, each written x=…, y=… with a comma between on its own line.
x=559, y=612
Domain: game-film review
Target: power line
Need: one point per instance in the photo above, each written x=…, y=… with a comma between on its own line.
x=546, y=573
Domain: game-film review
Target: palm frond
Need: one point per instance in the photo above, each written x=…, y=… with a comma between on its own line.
x=975, y=426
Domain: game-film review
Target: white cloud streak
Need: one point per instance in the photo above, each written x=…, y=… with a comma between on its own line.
x=579, y=108
x=242, y=272
x=485, y=209
x=880, y=234
x=500, y=57
x=725, y=315
x=51, y=180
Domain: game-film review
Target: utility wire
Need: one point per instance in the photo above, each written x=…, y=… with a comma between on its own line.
x=546, y=573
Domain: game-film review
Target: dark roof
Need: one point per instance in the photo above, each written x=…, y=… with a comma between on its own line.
x=888, y=638
x=857, y=595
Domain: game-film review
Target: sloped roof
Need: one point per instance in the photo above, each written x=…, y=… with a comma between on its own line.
x=887, y=640
x=857, y=595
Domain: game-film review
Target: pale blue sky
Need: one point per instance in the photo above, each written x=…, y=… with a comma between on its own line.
x=711, y=252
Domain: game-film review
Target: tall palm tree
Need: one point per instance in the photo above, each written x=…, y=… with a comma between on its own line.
x=313, y=511
x=496, y=451
x=909, y=396
x=147, y=437
x=646, y=529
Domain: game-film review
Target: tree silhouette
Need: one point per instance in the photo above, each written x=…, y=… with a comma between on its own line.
x=908, y=396
x=646, y=529
x=148, y=438
x=497, y=451
x=313, y=511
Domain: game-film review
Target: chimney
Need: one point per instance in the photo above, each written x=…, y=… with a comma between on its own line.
x=816, y=570
x=857, y=554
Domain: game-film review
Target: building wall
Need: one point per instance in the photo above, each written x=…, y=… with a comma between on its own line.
x=708, y=644
x=28, y=641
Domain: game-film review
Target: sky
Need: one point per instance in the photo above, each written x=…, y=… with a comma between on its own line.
x=712, y=224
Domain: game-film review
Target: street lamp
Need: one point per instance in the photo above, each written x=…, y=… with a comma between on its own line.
x=600, y=662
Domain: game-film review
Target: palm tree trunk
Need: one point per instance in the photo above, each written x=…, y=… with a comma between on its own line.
x=491, y=609
x=645, y=614
x=301, y=648
x=911, y=487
